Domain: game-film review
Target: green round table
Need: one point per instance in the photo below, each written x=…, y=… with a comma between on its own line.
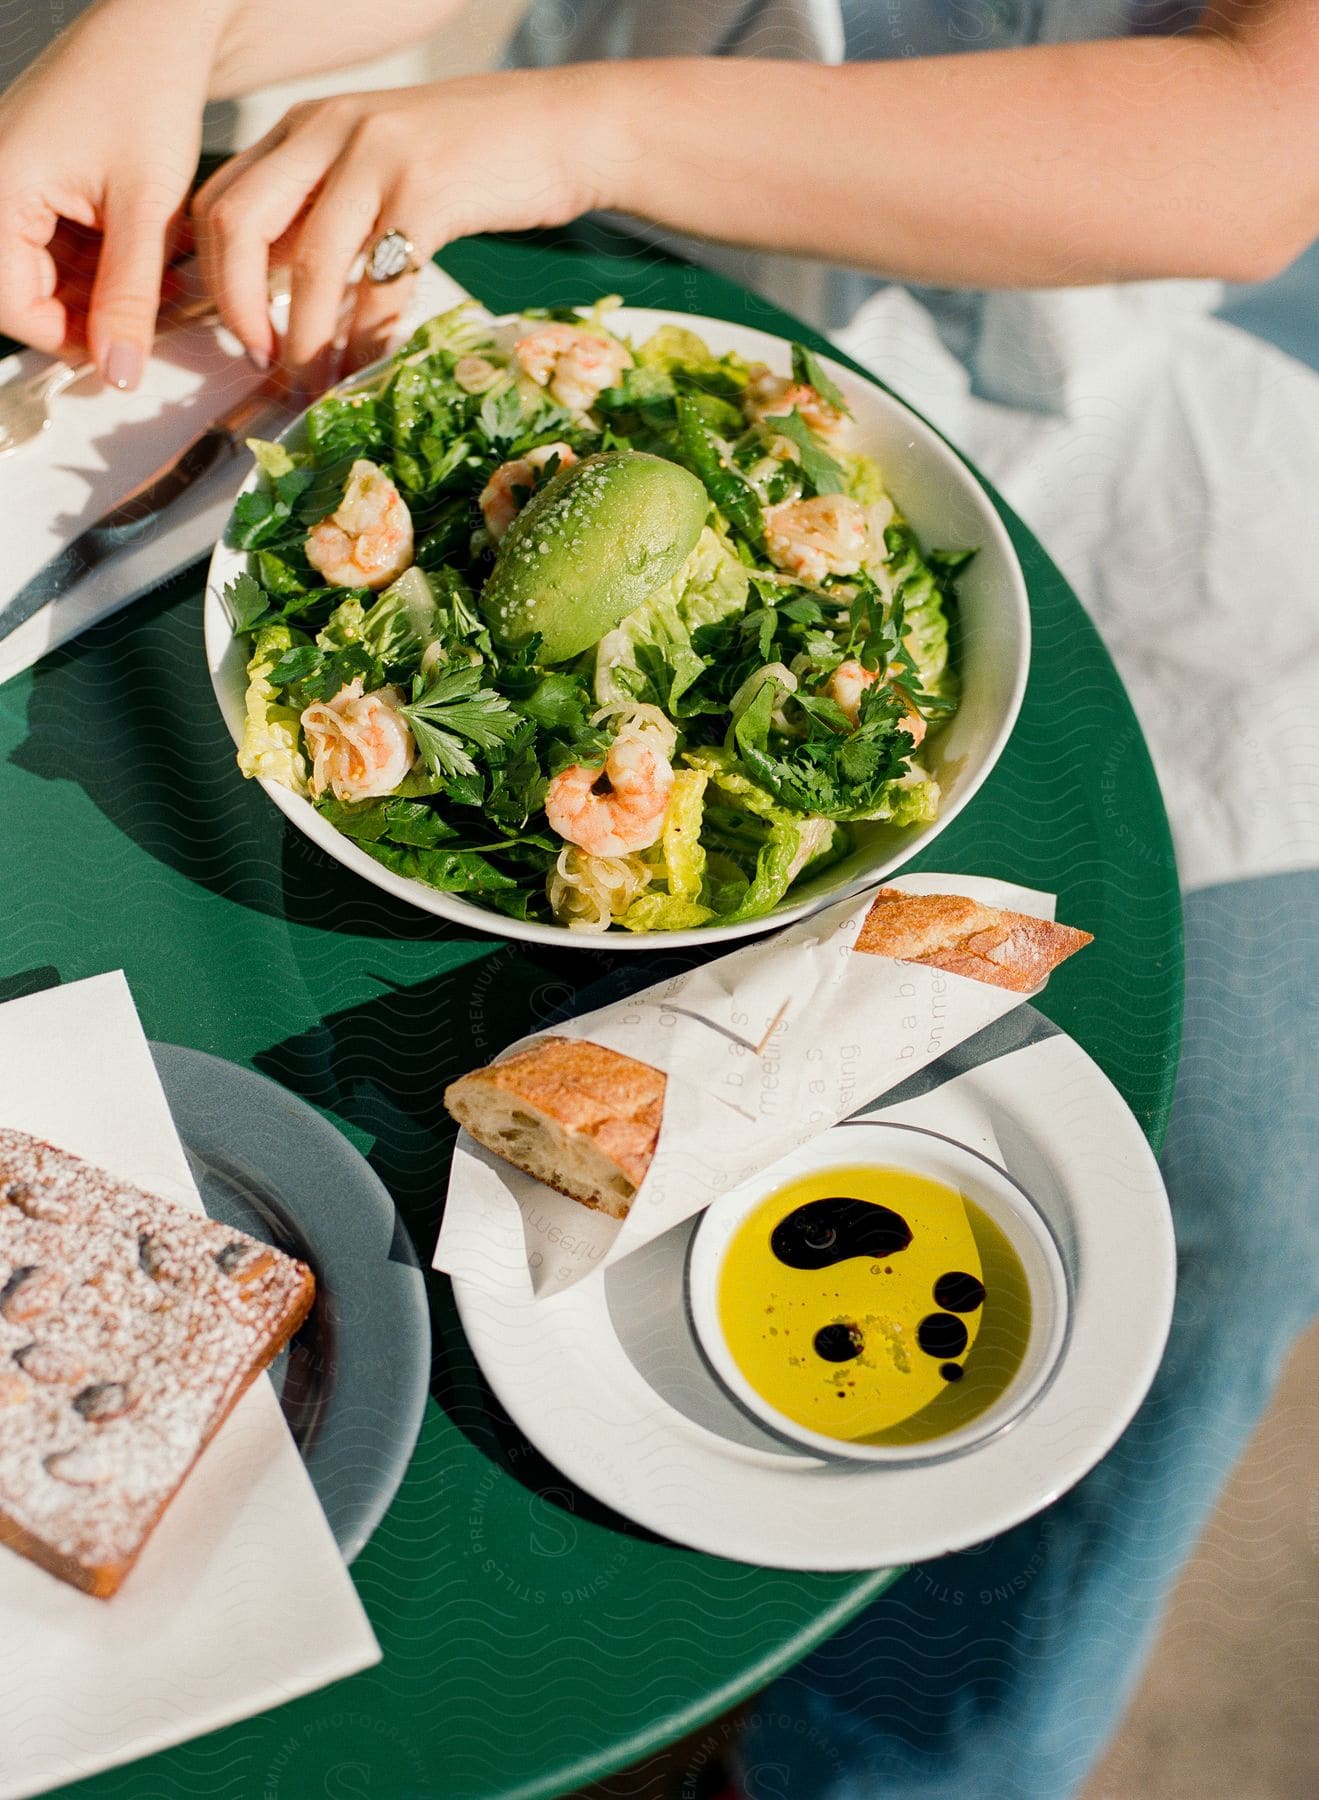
x=531, y=1641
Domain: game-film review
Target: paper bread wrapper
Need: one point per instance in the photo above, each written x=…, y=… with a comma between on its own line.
x=762, y=1049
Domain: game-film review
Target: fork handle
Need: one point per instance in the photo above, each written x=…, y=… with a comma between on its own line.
x=53, y=381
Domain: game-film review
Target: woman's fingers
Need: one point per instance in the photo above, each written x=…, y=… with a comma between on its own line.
x=250, y=204
x=30, y=307
x=378, y=306
x=222, y=179
x=121, y=322
x=329, y=241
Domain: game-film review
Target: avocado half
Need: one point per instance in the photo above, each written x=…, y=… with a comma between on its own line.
x=590, y=548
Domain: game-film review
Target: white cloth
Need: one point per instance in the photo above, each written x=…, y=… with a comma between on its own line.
x=240, y=1600
x=1169, y=462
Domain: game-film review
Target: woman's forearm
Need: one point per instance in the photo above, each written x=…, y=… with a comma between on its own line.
x=265, y=41
x=1047, y=166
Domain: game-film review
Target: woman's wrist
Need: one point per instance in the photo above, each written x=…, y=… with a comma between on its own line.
x=585, y=135
x=620, y=104
x=667, y=142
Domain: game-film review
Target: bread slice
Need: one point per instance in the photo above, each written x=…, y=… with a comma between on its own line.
x=585, y=1120
x=129, y=1329
x=952, y=932
x=580, y=1118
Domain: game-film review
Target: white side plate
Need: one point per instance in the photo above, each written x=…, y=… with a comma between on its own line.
x=608, y=1383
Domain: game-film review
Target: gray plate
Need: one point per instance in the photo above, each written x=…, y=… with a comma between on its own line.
x=353, y=1382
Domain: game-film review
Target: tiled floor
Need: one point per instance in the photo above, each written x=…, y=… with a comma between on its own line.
x=1228, y=1707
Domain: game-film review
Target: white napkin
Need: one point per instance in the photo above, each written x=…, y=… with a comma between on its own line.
x=97, y=448
x=1169, y=462
x=240, y=1599
x=762, y=1049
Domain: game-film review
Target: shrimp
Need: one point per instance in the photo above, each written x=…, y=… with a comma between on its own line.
x=616, y=810
x=513, y=483
x=826, y=535
x=770, y=396
x=367, y=539
x=849, y=682
x=360, y=744
x=474, y=374
x=574, y=364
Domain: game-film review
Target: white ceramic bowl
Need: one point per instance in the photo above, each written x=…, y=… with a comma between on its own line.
x=949, y=510
x=923, y=1153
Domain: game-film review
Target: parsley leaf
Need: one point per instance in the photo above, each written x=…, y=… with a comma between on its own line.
x=454, y=708
x=500, y=417
x=295, y=665
x=326, y=677
x=260, y=516
x=247, y=603
x=839, y=770
x=878, y=641
x=807, y=367
x=821, y=473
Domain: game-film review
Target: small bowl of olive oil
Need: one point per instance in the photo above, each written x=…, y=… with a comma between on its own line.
x=883, y=1294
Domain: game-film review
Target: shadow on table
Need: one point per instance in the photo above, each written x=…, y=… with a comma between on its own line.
x=382, y=1067
x=29, y=981
x=126, y=712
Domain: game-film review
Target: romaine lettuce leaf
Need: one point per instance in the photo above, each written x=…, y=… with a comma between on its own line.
x=673, y=346
x=269, y=747
x=344, y=625
x=909, y=802
x=680, y=844
x=272, y=459
x=861, y=477
x=664, y=912
x=924, y=600
x=462, y=330
x=687, y=358
x=753, y=831
x=710, y=585
x=403, y=621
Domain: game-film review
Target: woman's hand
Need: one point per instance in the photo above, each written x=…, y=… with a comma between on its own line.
x=98, y=143
x=491, y=153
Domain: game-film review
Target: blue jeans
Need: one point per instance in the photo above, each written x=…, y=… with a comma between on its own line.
x=1000, y=1673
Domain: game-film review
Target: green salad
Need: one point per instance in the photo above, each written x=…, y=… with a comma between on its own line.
x=602, y=633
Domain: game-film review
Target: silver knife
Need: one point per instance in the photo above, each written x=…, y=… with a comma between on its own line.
x=134, y=516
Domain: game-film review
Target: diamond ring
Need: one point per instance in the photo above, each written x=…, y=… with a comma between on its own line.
x=392, y=255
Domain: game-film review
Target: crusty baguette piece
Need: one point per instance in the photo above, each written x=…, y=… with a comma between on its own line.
x=129, y=1329
x=580, y=1118
x=952, y=932
x=585, y=1120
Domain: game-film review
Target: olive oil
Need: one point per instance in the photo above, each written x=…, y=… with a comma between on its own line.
x=874, y=1305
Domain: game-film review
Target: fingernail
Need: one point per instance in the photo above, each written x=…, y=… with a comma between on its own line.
x=259, y=360
x=123, y=366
